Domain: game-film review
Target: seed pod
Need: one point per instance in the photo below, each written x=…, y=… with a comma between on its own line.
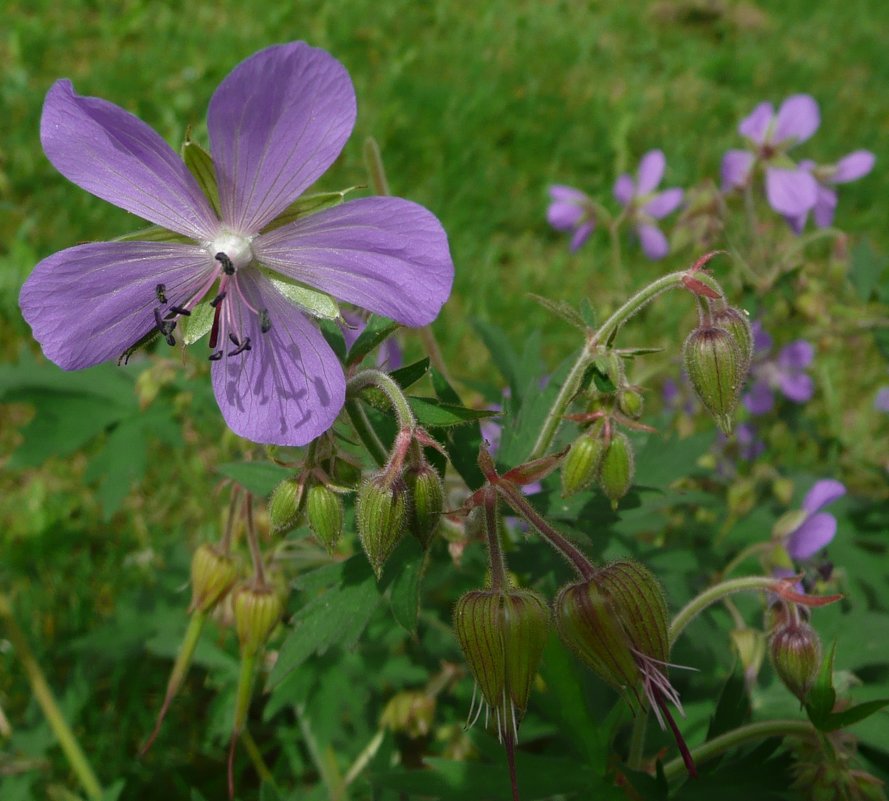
x=324, y=513
x=715, y=367
x=737, y=323
x=581, y=465
x=257, y=610
x=212, y=575
x=630, y=402
x=426, y=503
x=381, y=516
x=285, y=504
x=616, y=468
x=795, y=650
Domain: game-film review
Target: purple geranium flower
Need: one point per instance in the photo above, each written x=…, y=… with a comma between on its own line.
x=276, y=123
x=571, y=210
x=786, y=373
x=644, y=206
x=790, y=189
x=816, y=530
x=849, y=168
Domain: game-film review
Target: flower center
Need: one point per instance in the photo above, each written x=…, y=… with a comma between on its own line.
x=235, y=248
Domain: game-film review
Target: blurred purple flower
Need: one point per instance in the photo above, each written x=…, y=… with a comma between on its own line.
x=791, y=190
x=644, y=206
x=817, y=529
x=849, y=168
x=881, y=401
x=786, y=373
x=276, y=123
x=571, y=210
x=750, y=446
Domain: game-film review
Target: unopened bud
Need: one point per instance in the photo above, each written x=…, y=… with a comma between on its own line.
x=411, y=712
x=616, y=468
x=630, y=402
x=715, y=366
x=380, y=515
x=257, y=610
x=285, y=504
x=324, y=513
x=212, y=575
x=737, y=323
x=426, y=501
x=581, y=465
x=795, y=650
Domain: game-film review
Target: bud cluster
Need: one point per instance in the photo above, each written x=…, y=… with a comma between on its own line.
x=601, y=454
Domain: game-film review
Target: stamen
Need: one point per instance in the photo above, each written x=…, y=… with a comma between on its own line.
x=215, y=357
x=214, y=331
x=227, y=267
x=171, y=340
x=245, y=345
x=234, y=339
x=265, y=322
x=164, y=326
x=174, y=310
x=218, y=299
x=160, y=292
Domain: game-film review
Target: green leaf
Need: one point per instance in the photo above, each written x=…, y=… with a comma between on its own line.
x=463, y=442
x=198, y=324
x=854, y=714
x=405, y=567
x=120, y=464
x=733, y=708
x=505, y=357
x=822, y=696
x=260, y=478
x=587, y=312
x=866, y=269
x=200, y=164
x=308, y=204
x=377, y=330
x=432, y=413
x=561, y=309
x=333, y=334
x=311, y=301
x=407, y=376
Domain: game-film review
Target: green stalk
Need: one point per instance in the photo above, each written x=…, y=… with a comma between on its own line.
x=54, y=717
x=389, y=387
x=366, y=433
x=637, y=740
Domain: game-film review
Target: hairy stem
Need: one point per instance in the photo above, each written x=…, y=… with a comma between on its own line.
x=366, y=433
x=389, y=387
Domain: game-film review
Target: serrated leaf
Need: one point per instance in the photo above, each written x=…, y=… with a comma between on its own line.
x=311, y=301
x=154, y=233
x=561, y=309
x=409, y=375
x=198, y=324
x=463, y=442
x=260, y=478
x=852, y=715
x=377, y=330
x=308, y=204
x=200, y=165
x=432, y=413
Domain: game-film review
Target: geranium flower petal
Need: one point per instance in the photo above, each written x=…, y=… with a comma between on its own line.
x=114, y=155
x=568, y=194
x=289, y=387
x=790, y=192
x=735, y=171
x=624, y=189
x=762, y=340
x=756, y=124
x=664, y=203
x=654, y=243
x=798, y=118
x=580, y=236
x=759, y=399
x=651, y=171
x=90, y=303
x=852, y=167
x=384, y=254
x=798, y=387
x=823, y=492
x=825, y=207
x=797, y=224
x=815, y=533
x=563, y=215
x=276, y=123
x=796, y=355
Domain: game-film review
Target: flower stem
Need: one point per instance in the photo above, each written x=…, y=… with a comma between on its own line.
x=743, y=734
x=495, y=552
x=54, y=717
x=714, y=594
x=637, y=740
x=253, y=542
x=366, y=433
x=389, y=387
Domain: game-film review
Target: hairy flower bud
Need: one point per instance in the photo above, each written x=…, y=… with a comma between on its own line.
x=616, y=468
x=715, y=366
x=285, y=504
x=380, y=515
x=737, y=323
x=324, y=513
x=502, y=635
x=257, y=610
x=581, y=465
x=212, y=575
x=426, y=501
x=630, y=402
x=795, y=650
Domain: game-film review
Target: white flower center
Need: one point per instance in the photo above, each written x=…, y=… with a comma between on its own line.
x=235, y=246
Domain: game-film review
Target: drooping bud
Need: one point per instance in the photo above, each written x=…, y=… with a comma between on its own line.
x=324, y=513
x=630, y=402
x=285, y=504
x=212, y=575
x=737, y=323
x=426, y=501
x=502, y=635
x=380, y=515
x=795, y=650
x=257, y=610
x=715, y=366
x=581, y=465
x=616, y=468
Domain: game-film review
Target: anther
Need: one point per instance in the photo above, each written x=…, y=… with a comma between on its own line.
x=161, y=292
x=235, y=341
x=171, y=341
x=174, y=310
x=215, y=357
x=245, y=345
x=227, y=267
x=265, y=322
x=218, y=299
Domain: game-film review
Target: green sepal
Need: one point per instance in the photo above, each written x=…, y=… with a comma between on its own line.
x=200, y=165
x=380, y=516
x=311, y=301
x=581, y=465
x=715, y=366
x=198, y=324
x=616, y=468
x=308, y=204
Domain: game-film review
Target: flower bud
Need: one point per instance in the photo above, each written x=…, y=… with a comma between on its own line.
x=257, y=610
x=581, y=465
x=324, y=513
x=502, y=635
x=715, y=366
x=212, y=575
x=285, y=504
x=795, y=650
x=616, y=468
x=630, y=402
x=380, y=515
x=737, y=323
x=411, y=712
x=426, y=495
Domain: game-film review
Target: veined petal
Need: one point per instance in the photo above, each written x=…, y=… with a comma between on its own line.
x=384, y=254
x=756, y=124
x=624, y=189
x=651, y=170
x=276, y=123
x=654, y=243
x=117, y=157
x=89, y=303
x=798, y=118
x=663, y=203
x=289, y=387
x=736, y=166
x=825, y=207
x=815, y=533
x=852, y=167
x=790, y=192
x=822, y=493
